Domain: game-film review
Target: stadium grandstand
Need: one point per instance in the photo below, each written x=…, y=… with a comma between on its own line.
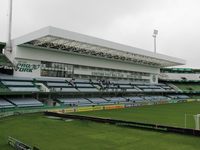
x=186, y=80
x=55, y=68
x=65, y=90
x=59, y=72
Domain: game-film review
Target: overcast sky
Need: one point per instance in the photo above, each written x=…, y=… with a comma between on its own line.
x=129, y=22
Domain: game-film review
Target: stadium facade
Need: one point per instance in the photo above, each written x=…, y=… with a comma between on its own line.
x=53, y=52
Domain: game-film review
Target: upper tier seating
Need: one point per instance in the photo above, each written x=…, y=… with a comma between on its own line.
x=83, y=85
x=132, y=90
x=49, y=79
x=126, y=86
x=57, y=85
x=24, y=89
x=78, y=85
x=67, y=89
x=13, y=78
x=150, y=88
x=19, y=84
x=166, y=87
x=25, y=102
x=88, y=89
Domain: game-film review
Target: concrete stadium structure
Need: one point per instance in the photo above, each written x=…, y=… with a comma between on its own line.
x=53, y=52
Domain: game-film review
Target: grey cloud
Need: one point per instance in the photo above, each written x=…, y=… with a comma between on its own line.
x=125, y=21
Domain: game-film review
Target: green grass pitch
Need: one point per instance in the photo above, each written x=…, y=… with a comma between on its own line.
x=49, y=134
x=167, y=114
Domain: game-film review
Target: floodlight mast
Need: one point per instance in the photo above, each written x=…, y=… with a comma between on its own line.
x=9, y=42
x=155, y=33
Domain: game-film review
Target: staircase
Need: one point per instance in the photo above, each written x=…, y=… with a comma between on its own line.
x=174, y=87
x=42, y=87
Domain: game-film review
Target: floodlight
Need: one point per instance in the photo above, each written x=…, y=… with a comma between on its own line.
x=155, y=32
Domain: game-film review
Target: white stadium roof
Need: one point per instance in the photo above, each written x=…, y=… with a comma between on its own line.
x=66, y=41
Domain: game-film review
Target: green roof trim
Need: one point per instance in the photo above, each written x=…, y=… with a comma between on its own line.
x=179, y=70
x=182, y=69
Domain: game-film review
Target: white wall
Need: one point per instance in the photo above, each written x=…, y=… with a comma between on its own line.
x=34, y=56
x=27, y=68
x=63, y=57
x=107, y=73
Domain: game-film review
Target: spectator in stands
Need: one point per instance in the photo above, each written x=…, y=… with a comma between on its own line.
x=101, y=84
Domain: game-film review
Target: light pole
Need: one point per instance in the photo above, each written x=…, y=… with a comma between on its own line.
x=9, y=42
x=155, y=33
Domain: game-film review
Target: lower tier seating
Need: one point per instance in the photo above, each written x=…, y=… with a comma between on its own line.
x=5, y=104
x=74, y=101
x=115, y=99
x=25, y=102
x=11, y=101
x=98, y=101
